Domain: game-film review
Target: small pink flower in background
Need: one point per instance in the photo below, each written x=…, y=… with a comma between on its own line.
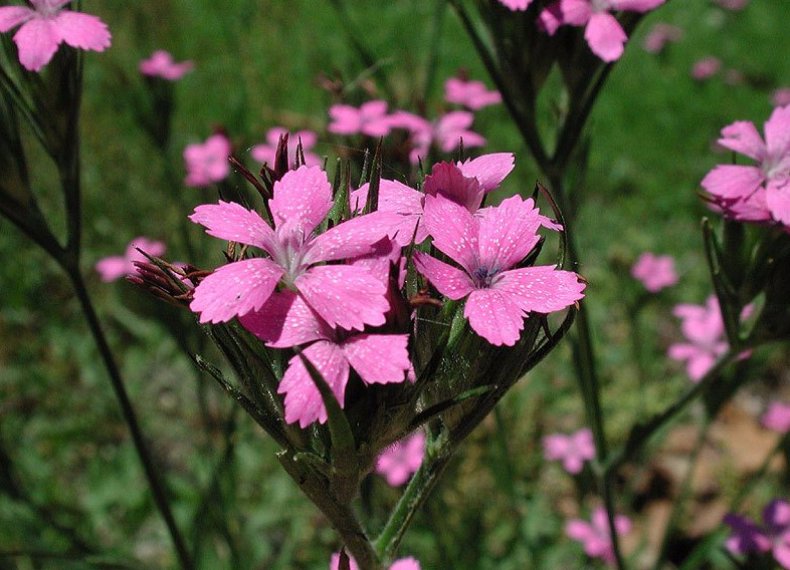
x=46, y=25
x=400, y=564
x=603, y=32
x=207, y=162
x=705, y=68
x=777, y=417
x=369, y=119
x=573, y=449
x=399, y=461
x=489, y=245
x=265, y=153
x=161, y=64
x=655, y=271
x=446, y=133
x=471, y=94
x=761, y=191
x=595, y=536
x=773, y=536
x=516, y=5
x=703, y=327
x=660, y=35
x=732, y=4
x=781, y=97
x=117, y=266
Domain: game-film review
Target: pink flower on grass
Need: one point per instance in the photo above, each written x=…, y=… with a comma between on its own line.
x=777, y=417
x=401, y=459
x=516, y=5
x=655, y=271
x=207, y=162
x=471, y=94
x=603, y=32
x=161, y=64
x=660, y=35
x=369, y=119
x=343, y=295
x=573, y=450
x=703, y=327
x=408, y=563
x=265, y=153
x=595, y=536
x=774, y=536
x=46, y=25
x=117, y=266
x=489, y=246
x=705, y=68
x=286, y=320
x=446, y=133
x=765, y=184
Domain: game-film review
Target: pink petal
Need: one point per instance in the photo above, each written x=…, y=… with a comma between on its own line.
x=777, y=417
x=493, y=315
x=399, y=199
x=453, y=229
x=508, y=232
x=605, y=36
x=12, y=16
x=302, y=197
x=448, y=180
x=82, y=31
x=303, y=401
x=781, y=550
x=285, y=320
x=742, y=136
x=334, y=563
x=777, y=515
x=682, y=351
x=550, y=19
x=777, y=198
x=345, y=120
x=489, y=169
x=732, y=182
x=233, y=222
x=541, y=289
x=378, y=358
x=410, y=563
x=112, y=268
x=580, y=530
x=355, y=237
x=777, y=131
x=573, y=464
x=344, y=295
x=449, y=281
x=699, y=365
x=575, y=12
x=635, y=5
x=515, y=5
x=556, y=446
x=37, y=41
x=235, y=289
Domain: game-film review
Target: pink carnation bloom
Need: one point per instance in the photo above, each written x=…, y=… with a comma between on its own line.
x=370, y=119
x=207, y=162
x=488, y=246
x=46, y=25
x=777, y=417
x=400, y=564
x=286, y=320
x=117, y=266
x=660, y=35
x=781, y=97
x=446, y=132
x=655, y=271
x=516, y=5
x=595, y=536
x=343, y=295
x=773, y=536
x=573, y=450
x=763, y=188
x=703, y=327
x=603, y=32
x=401, y=459
x=161, y=64
x=471, y=94
x=265, y=153
x=705, y=68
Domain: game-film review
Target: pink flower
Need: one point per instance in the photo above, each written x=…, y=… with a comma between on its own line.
x=400, y=564
x=46, y=25
x=446, y=132
x=573, y=450
x=161, y=64
x=595, y=536
x=655, y=271
x=781, y=97
x=703, y=327
x=343, y=295
x=516, y=5
x=603, y=32
x=117, y=266
x=471, y=94
x=370, y=119
x=763, y=187
x=773, y=536
x=401, y=459
x=207, y=162
x=777, y=417
x=265, y=153
x=489, y=246
x=705, y=68
x=660, y=35
x=286, y=320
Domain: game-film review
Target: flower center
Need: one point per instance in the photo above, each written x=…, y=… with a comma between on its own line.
x=483, y=276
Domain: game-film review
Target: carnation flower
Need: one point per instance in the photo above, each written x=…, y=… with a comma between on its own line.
x=446, y=133
x=117, y=266
x=161, y=64
x=401, y=459
x=369, y=119
x=655, y=271
x=703, y=327
x=573, y=449
x=471, y=94
x=207, y=162
x=595, y=535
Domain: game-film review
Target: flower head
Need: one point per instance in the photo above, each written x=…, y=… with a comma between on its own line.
x=161, y=64
x=595, y=536
x=44, y=26
x=369, y=119
x=207, y=162
x=655, y=271
x=265, y=153
x=471, y=94
x=703, y=327
x=573, y=450
x=401, y=459
x=446, y=133
x=117, y=266
x=777, y=417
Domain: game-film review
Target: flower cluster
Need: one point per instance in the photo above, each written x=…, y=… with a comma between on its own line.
x=774, y=536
